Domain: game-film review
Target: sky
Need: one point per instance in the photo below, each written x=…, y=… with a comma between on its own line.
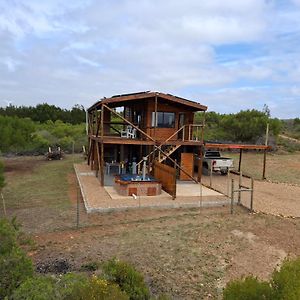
x=229, y=55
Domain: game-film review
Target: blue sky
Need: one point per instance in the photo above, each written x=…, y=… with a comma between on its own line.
x=229, y=55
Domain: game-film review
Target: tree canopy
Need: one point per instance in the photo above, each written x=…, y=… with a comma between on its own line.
x=44, y=112
x=244, y=126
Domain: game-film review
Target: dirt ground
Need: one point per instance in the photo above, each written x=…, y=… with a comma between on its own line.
x=185, y=253
x=269, y=197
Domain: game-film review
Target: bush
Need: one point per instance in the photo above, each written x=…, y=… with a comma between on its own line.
x=37, y=288
x=284, y=285
x=8, y=237
x=286, y=282
x=16, y=267
x=67, y=283
x=97, y=289
x=248, y=288
x=129, y=280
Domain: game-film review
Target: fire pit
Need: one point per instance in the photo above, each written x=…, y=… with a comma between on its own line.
x=128, y=184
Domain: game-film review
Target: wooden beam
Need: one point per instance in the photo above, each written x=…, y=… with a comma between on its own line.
x=236, y=146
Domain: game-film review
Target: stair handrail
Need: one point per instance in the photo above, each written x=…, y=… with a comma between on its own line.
x=163, y=143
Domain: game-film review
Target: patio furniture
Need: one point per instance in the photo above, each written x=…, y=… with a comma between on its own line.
x=129, y=132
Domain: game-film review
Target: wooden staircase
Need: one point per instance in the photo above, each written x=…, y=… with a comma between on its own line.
x=169, y=150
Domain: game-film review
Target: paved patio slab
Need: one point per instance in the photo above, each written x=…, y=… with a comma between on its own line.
x=106, y=199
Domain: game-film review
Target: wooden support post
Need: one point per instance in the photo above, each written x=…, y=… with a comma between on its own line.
x=232, y=196
x=264, y=164
x=210, y=175
x=252, y=194
x=203, y=124
x=240, y=186
x=98, y=159
x=102, y=164
x=200, y=163
x=102, y=147
x=240, y=160
x=155, y=116
x=89, y=151
x=92, y=155
x=175, y=178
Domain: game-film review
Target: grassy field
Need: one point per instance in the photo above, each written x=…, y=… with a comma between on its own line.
x=35, y=182
x=185, y=253
x=38, y=191
x=279, y=168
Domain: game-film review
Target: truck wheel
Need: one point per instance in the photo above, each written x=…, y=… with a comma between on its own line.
x=224, y=172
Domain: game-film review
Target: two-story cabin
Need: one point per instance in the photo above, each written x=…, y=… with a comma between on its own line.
x=125, y=128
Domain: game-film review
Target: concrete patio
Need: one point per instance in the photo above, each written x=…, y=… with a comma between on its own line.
x=106, y=199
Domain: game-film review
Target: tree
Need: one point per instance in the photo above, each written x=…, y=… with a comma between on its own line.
x=266, y=110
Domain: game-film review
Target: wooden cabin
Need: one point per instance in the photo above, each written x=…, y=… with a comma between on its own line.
x=125, y=128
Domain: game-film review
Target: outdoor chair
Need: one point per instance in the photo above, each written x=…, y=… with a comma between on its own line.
x=126, y=133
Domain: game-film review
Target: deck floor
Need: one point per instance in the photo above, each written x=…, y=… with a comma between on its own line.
x=106, y=199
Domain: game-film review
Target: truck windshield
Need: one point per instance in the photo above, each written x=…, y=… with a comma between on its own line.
x=212, y=154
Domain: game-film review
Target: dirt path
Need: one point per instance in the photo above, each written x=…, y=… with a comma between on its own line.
x=289, y=138
x=269, y=197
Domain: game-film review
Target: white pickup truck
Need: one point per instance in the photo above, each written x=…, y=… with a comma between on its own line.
x=212, y=160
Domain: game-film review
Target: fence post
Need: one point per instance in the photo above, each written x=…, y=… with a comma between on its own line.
x=228, y=182
x=240, y=186
x=232, y=196
x=252, y=192
x=77, y=213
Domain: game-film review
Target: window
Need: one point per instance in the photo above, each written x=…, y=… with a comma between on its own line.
x=164, y=119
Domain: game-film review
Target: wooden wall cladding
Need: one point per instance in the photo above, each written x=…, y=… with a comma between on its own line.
x=167, y=176
x=187, y=163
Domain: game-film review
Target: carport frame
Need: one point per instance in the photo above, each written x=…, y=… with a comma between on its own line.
x=242, y=147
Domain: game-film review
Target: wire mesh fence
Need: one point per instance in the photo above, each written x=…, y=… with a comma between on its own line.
x=45, y=195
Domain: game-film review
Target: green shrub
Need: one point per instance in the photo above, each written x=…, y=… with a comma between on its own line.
x=36, y=288
x=286, y=281
x=67, y=283
x=15, y=268
x=8, y=236
x=248, y=288
x=97, y=289
x=90, y=266
x=129, y=280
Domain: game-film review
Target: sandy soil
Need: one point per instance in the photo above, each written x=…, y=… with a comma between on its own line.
x=273, y=198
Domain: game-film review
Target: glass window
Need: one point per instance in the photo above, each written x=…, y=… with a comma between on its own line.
x=164, y=119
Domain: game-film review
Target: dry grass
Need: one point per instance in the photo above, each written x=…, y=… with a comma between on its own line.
x=279, y=168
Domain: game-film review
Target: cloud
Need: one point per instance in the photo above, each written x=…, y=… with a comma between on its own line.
x=230, y=54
